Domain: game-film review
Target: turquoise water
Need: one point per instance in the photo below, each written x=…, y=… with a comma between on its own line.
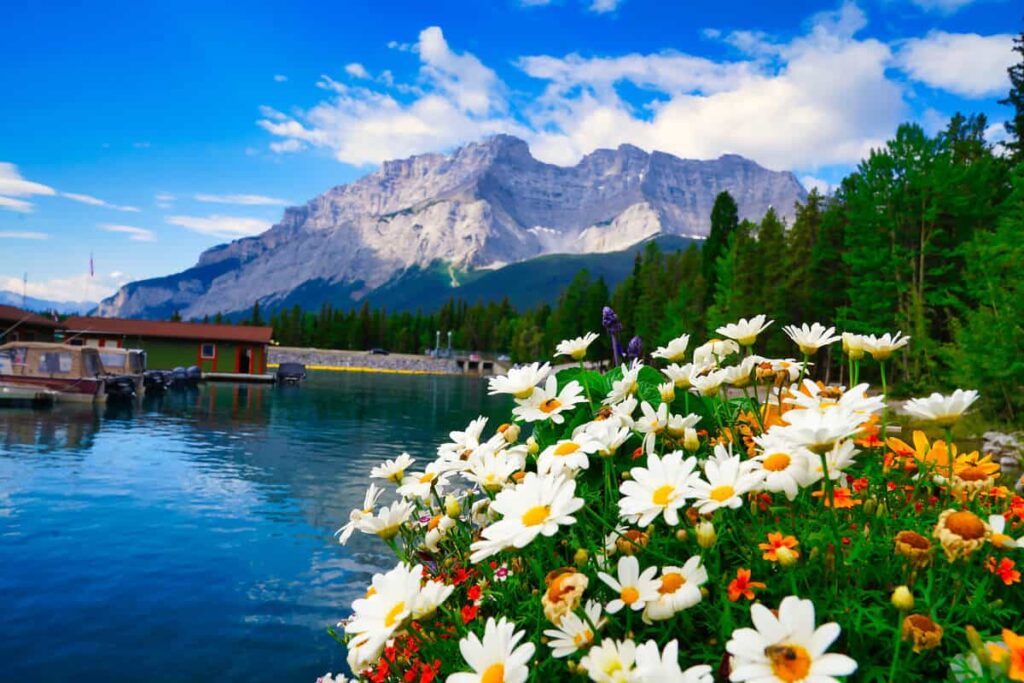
x=191, y=539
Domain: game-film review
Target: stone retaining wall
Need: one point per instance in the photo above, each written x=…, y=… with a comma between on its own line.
x=395, y=362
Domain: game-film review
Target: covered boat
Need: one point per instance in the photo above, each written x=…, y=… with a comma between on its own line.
x=125, y=369
x=75, y=372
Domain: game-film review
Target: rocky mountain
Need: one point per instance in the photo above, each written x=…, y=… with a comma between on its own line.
x=483, y=206
x=33, y=304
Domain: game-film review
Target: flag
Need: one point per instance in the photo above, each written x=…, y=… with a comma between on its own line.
x=92, y=271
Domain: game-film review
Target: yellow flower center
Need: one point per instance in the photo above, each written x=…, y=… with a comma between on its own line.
x=434, y=521
x=550, y=405
x=371, y=591
x=567, y=448
x=966, y=525
x=536, y=515
x=776, y=462
x=999, y=540
x=525, y=393
x=392, y=616
x=663, y=494
x=427, y=478
x=495, y=673
x=629, y=595
x=789, y=662
x=582, y=638
x=671, y=582
x=722, y=493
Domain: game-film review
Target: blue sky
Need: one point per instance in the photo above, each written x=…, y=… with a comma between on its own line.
x=146, y=132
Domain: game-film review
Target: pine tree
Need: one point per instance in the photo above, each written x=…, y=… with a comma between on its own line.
x=724, y=222
x=1015, y=98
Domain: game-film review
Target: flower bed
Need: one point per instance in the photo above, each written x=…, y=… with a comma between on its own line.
x=723, y=519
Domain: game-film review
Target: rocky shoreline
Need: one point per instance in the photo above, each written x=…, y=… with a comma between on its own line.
x=361, y=360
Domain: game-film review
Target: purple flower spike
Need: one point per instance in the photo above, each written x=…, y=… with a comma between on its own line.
x=635, y=349
x=610, y=321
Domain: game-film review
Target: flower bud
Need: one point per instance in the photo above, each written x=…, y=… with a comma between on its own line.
x=706, y=535
x=691, y=441
x=452, y=506
x=532, y=447
x=902, y=599
x=580, y=557
x=667, y=391
x=510, y=431
x=787, y=558
x=682, y=535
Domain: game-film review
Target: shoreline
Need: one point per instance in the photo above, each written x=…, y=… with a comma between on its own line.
x=374, y=370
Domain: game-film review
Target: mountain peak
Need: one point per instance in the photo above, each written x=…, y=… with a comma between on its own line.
x=483, y=205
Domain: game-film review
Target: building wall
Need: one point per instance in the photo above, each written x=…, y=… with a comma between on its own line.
x=167, y=354
x=25, y=332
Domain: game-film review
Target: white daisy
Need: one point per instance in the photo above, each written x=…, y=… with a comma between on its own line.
x=574, y=633
x=674, y=351
x=575, y=348
x=437, y=529
x=354, y=517
x=519, y=382
x=679, y=424
x=707, y=384
x=819, y=430
x=463, y=443
x=653, y=666
x=622, y=412
x=493, y=470
x=942, y=410
x=388, y=520
x=661, y=488
x=745, y=331
x=418, y=485
x=652, y=422
x=727, y=482
x=667, y=391
x=678, y=589
x=537, y=505
x=549, y=403
x=812, y=338
x=431, y=596
x=999, y=537
x=608, y=433
x=496, y=657
x=393, y=470
x=853, y=345
x=386, y=607
x=634, y=589
x=611, y=661
x=741, y=374
x=680, y=374
x=787, y=648
x=811, y=396
x=882, y=347
x=568, y=455
x=784, y=467
x=712, y=352
x=626, y=386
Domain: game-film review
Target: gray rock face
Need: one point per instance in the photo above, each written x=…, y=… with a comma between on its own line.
x=485, y=205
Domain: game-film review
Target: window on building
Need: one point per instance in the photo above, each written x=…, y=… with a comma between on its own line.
x=55, y=361
x=208, y=351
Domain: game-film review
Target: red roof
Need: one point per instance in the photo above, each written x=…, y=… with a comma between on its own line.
x=158, y=328
x=10, y=315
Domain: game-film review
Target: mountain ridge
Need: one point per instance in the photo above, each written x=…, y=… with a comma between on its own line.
x=483, y=206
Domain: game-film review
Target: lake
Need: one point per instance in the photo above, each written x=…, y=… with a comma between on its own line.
x=191, y=538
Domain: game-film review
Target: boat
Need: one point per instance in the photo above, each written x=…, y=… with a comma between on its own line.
x=290, y=373
x=125, y=370
x=74, y=372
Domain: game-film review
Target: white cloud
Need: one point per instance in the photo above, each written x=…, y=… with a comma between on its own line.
x=22, y=234
x=81, y=287
x=603, y=6
x=456, y=98
x=221, y=226
x=997, y=133
x=244, y=199
x=811, y=183
x=134, y=234
x=965, y=64
x=279, y=78
x=94, y=201
x=13, y=185
x=356, y=70
x=942, y=6
x=164, y=200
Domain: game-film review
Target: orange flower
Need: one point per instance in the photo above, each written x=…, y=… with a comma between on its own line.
x=742, y=585
x=869, y=430
x=776, y=541
x=936, y=455
x=842, y=496
x=1004, y=570
x=1014, y=650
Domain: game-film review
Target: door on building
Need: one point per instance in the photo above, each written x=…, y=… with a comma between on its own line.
x=244, y=360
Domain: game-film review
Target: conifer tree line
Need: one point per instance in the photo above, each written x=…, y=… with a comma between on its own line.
x=926, y=236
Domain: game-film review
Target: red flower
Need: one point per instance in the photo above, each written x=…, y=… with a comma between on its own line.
x=469, y=613
x=742, y=585
x=474, y=593
x=860, y=484
x=1004, y=570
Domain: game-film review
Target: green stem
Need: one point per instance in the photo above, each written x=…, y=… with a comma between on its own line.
x=899, y=643
x=885, y=405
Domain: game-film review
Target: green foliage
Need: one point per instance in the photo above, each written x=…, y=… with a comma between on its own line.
x=724, y=222
x=1015, y=98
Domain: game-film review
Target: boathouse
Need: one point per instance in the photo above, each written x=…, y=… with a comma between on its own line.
x=240, y=349
x=20, y=325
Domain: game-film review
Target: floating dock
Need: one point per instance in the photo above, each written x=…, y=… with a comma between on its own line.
x=25, y=397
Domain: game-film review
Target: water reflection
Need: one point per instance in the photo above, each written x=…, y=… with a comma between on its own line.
x=195, y=530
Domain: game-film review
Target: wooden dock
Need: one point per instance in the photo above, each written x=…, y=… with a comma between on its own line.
x=26, y=397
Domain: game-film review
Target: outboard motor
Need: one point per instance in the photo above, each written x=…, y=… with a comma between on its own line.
x=291, y=373
x=193, y=375
x=120, y=388
x=156, y=380
x=178, y=379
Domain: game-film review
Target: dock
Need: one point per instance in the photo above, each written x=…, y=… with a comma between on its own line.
x=25, y=397
x=238, y=377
